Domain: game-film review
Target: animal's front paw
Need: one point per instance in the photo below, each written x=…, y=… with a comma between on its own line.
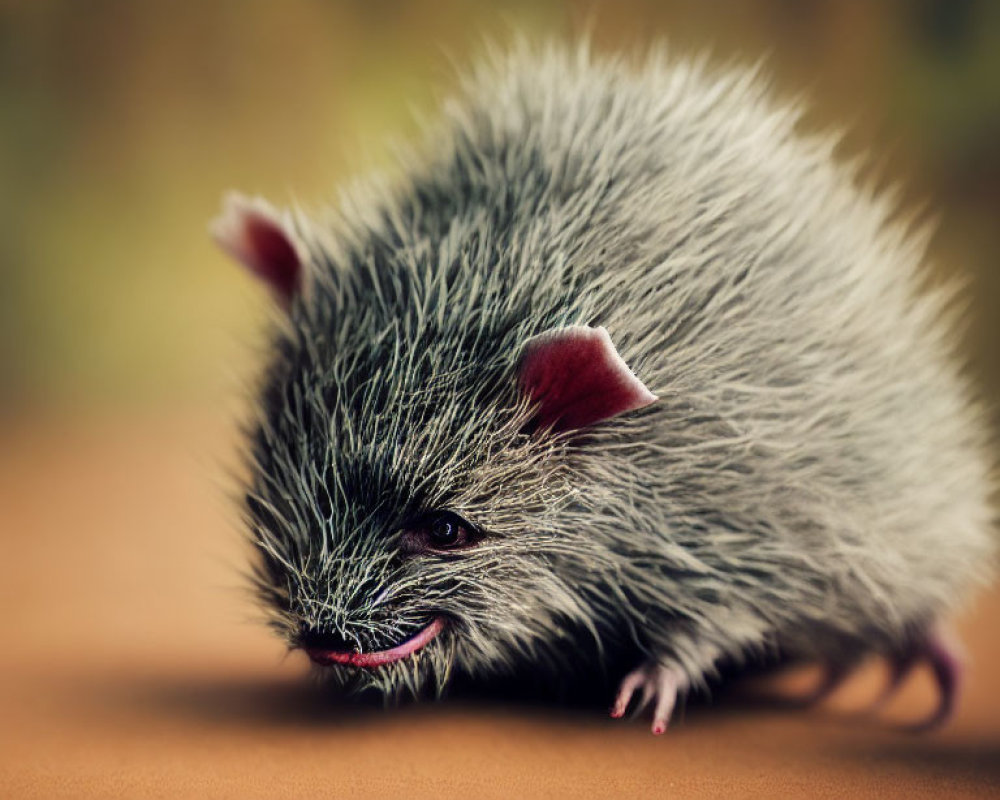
x=656, y=682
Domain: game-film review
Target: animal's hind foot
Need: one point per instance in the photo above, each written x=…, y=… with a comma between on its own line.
x=656, y=682
x=939, y=650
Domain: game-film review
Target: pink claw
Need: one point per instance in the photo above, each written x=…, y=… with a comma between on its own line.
x=943, y=655
x=941, y=651
x=655, y=681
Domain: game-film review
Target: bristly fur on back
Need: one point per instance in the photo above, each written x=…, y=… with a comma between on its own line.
x=813, y=477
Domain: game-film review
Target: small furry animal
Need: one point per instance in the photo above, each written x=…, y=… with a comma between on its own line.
x=619, y=362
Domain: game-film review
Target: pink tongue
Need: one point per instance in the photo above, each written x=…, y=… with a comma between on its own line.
x=380, y=657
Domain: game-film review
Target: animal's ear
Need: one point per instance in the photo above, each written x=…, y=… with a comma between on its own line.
x=262, y=239
x=575, y=377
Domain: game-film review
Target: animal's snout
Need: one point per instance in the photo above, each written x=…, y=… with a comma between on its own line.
x=328, y=649
x=315, y=640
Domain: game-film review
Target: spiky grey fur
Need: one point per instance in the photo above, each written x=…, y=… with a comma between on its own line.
x=813, y=478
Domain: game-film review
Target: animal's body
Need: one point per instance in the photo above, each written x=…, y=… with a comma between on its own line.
x=769, y=449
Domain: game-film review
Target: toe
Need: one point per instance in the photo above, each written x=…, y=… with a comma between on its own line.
x=944, y=655
x=666, y=697
x=629, y=684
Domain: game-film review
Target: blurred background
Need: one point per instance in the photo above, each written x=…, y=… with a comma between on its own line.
x=121, y=124
x=125, y=340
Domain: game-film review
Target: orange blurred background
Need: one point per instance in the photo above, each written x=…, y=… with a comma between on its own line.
x=129, y=666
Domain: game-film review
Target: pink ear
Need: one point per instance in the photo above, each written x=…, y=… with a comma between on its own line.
x=253, y=232
x=577, y=378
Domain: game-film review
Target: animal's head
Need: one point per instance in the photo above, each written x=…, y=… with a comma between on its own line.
x=415, y=498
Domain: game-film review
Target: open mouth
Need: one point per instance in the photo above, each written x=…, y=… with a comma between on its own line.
x=377, y=658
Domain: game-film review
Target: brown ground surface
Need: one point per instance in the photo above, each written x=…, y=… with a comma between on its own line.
x=131, y=668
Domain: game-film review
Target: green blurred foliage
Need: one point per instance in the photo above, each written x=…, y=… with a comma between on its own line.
x=121, y=124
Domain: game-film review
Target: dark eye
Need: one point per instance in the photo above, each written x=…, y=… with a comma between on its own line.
x=447, y=531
